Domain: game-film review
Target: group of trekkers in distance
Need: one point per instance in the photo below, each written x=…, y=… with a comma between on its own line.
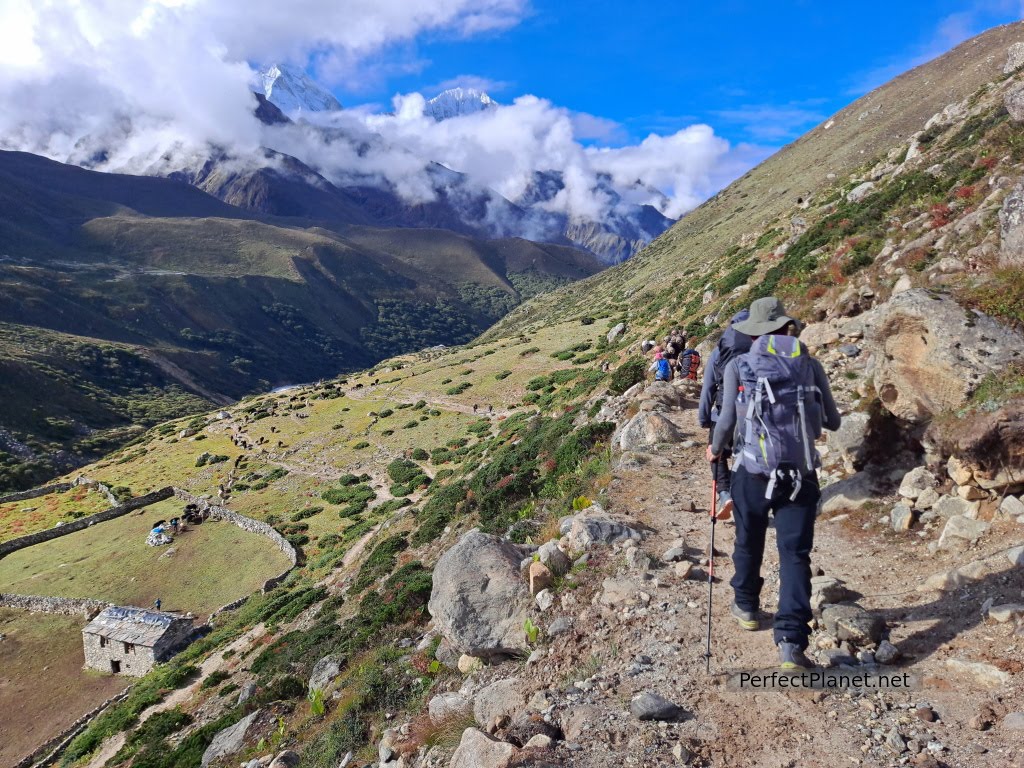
x=764, y=401
x=672, y=358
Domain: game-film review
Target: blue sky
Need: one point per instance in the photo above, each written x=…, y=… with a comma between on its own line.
x=757, y=72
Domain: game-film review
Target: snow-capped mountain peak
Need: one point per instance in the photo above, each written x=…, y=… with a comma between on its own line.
x=456, y=102
x=292, y=91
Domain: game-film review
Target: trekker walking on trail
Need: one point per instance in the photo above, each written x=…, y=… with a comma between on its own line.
x=661, y=368
x=776, y=400
x=732, y=344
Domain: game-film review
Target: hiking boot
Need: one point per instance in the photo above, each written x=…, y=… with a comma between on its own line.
x=746, y=619
x=792, y=656
x=724, y=511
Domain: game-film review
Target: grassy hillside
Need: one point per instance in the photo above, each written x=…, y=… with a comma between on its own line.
x=373, y=475
x=125, y=301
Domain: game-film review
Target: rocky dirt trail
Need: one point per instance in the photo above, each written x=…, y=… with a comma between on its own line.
x=638, y=627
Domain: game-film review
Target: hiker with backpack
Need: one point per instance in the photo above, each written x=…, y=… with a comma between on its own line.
x=661, y=367
x=776, y=400
x=689, y=364
x=732, y=344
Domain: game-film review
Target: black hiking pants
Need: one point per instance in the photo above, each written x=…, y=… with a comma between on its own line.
x=720, y=469
x=794, y=533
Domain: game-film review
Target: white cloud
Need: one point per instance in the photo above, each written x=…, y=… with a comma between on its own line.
x=155, y=85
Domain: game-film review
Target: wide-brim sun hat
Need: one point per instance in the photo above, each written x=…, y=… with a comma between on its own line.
x=767, y=316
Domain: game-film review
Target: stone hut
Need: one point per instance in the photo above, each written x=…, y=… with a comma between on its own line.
x=129, y=641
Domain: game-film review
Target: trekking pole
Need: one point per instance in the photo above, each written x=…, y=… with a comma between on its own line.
x=711, y=556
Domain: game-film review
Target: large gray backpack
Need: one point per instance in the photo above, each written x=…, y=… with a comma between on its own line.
x=778, y=411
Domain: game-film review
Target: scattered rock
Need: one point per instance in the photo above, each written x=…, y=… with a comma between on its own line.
x=859, y=192
x=478, y=600
x=286, y=759
x=954, y=506
x=615, y=332
x=468, y=664
x=1007, y=612
x=895, y=742
x=818, y=335
x=540, y=741
x=503, y=698
x=902, y=517
x=1013, y=722
x=594, y=526
x=1014, y=58
x=852, y=493
x=478, y=750
x=684, y=569
x=927, y=499
x=324, y=672
x=827, y=590
x=447, y=706
x=887, y=653
x=545, y=599
x=853, y=623
x=1012, y=507
x=618, y=591
x=246, y=692
x=985, y=674
x=1011, y=215
x=926, y=714
x=554, y=558
x=652, y=706
x=959, y=472
x=1016, y=555
x=960, y=530
x=540, y=577
x=638, y=560
x=916, y=481
x=674, y=555
x=229, y=740
x=971, y=493
x=447, y=654
x=848, y=440
x=559, y=626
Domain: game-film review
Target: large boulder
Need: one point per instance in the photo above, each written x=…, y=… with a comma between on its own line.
x=663, y=394
x=229, y=740
x=933, y=352
x=478, y=750
x=479, y=601
x=1011, y=216
x=646, y=430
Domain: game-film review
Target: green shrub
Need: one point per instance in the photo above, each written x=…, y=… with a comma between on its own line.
x=214, y=679
x=626, y=375
x=302, y=514
x=419, y=454
x=380, y=561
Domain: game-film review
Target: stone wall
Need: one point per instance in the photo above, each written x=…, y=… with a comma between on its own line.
x=65, y=606
x=246, y=524
x=132, y=660
x=84, y=522
x=35, y=493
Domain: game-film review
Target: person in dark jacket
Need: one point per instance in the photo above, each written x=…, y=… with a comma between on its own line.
x=730, y=345
x=794, y=502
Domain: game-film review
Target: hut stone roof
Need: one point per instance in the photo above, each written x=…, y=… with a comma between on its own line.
x=133, y=625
